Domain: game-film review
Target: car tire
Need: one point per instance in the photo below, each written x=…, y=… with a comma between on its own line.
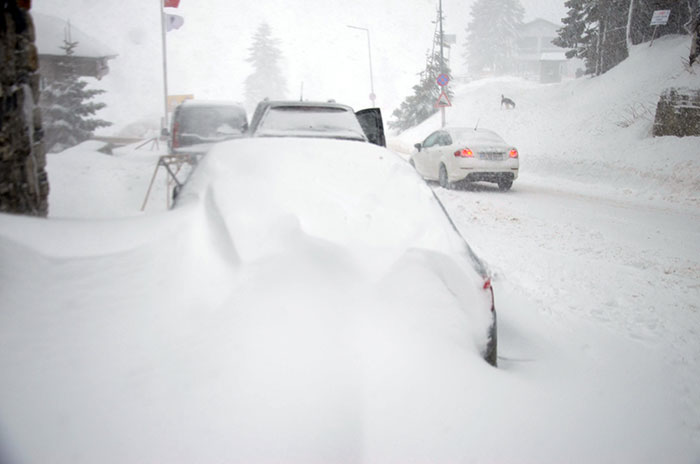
x=491, y=354
x=444, y=182
x=505, y=184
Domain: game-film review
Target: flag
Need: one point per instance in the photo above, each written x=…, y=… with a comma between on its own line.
x=173, y=21
x=171, y=3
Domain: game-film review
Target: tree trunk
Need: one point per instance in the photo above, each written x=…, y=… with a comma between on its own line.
x=630, y=15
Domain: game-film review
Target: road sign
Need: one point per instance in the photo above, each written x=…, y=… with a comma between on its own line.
x=443, y=80
x=174, y=100
x=443, y=101
x=660, y=17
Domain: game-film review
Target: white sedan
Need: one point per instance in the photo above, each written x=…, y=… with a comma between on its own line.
x=455, y=154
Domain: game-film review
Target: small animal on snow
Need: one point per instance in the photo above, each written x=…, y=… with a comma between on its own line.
x=507, y=102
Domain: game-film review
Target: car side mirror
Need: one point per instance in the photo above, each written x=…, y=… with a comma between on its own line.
x=418, y=146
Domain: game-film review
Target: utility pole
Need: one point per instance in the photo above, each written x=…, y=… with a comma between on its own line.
x=165, y=65
x=442, y=60
x=372, y=96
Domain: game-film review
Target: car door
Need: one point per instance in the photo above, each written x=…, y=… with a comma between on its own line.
x=371, y=121
x=444, y=151
x=430, y=156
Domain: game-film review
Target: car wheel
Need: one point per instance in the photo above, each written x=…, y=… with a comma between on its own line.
x=491, y=354
x=505, y=184
x=444, y=182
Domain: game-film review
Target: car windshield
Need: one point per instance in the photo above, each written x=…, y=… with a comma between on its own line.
x=364, y=231
x=310, y=120
x=211, y=123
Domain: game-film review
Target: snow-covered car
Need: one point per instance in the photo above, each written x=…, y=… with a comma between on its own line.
x=198, y=124
x=347, y=221
x=455, y=154
x=317, y=120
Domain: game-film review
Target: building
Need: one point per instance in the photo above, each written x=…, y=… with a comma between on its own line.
x=90, y=56
x=537, y=57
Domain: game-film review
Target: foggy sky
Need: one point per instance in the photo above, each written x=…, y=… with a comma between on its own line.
x=206, y=57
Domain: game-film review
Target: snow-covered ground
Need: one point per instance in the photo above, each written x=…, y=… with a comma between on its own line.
x=596, y=258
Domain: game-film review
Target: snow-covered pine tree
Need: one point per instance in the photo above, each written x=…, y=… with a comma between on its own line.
x=267, y=80
x=66, y=107
x=492, y=36
x=612, y=34
x=596, y=31
x=420, y=106
x=580, y=32
x=601, y=31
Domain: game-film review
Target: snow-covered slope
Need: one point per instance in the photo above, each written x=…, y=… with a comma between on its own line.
x=591, y=130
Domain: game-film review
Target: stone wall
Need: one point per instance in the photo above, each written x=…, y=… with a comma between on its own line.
x=678, y=113
x=24, y=186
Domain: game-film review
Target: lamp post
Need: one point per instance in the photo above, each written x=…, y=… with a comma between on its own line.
x=372, y=96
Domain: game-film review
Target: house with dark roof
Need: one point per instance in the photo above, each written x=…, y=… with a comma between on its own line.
x=90, y=56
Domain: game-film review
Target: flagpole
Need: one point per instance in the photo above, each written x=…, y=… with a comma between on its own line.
x=165, y=66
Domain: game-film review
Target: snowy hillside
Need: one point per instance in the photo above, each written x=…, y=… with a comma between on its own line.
x=591, y=131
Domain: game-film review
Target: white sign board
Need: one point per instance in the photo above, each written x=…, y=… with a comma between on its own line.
x=660, y=17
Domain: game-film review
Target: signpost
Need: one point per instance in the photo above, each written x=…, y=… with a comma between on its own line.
x=659, y=18
x=442, y=101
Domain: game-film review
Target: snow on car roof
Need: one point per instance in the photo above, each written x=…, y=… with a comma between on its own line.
x=343, y=192
x=191, y=102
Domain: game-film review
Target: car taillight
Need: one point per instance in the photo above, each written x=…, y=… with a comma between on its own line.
x=464, y=153
x=487, y=286
x=513, y=153
x=175, y=142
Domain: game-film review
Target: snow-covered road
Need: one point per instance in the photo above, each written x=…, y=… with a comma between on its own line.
x=624, y=270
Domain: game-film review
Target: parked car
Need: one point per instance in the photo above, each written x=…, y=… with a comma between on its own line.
x=317, y=119
x=198, y=124
x=455, y=154
x=362, y=216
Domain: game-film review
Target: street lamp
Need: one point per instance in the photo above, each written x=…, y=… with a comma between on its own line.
x=372, y=96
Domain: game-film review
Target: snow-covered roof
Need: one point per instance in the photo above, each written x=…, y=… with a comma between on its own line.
x=538, y=27
x=553, y=56
x=51, y=32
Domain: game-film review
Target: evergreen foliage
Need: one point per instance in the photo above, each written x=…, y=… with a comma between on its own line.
x=492, y=36
x=600, y=31
x=580, y=34
x=420, y=106
x=267, y=80
x=66, y=107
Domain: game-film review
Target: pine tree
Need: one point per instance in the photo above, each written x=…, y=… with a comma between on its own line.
x=580, y=32
x=601, y=31
x=492, y=35
x=420, y=106
x=267, y=80
x=65, y=105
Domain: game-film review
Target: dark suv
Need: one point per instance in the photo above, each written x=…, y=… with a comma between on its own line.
x=317, y=120
x=197, y=124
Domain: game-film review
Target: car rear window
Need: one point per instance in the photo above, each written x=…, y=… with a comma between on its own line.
x=212, y=122
x=479, y=136
x=305, y=119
